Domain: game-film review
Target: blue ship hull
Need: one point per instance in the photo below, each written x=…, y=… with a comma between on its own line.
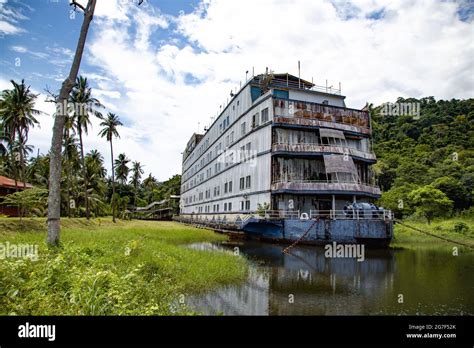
x=371, y=232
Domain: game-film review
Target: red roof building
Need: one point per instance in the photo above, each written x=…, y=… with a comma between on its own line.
x=8, y=186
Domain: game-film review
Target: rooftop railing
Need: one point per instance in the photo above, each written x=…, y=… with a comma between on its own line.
x=302, y=85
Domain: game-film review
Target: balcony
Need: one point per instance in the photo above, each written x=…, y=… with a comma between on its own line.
x=321, y=149
x=320, y=115
x=318, y=186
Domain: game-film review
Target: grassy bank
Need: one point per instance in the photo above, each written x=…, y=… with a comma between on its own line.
x=407, y=238
x=103, y=268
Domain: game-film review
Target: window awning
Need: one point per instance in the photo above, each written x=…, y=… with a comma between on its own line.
x=331, y=133
x=339, y=164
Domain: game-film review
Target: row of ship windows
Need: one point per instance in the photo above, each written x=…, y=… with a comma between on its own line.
x=257, y=119
x=215, y=208
x=244, y=184
x=245, y=154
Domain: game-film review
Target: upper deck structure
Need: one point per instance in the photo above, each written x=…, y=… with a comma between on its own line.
x=281, y=143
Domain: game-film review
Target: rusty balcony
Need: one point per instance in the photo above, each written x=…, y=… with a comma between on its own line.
x=320, y=186
x=301, y=113
x=319, y=148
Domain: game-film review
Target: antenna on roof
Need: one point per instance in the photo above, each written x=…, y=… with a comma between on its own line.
x=246, y=73
x=299, y=74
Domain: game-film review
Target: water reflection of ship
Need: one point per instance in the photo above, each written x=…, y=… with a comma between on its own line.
x=318, y=285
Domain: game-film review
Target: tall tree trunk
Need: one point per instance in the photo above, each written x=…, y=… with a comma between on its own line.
x=68, y=177
x=23, y=179
x=68, y=184
x=113, y=180
x=84, y=174
x=14, y=167
x=54, y=195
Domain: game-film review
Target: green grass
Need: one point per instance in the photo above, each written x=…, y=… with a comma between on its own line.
x=407, y=238
x=101, y=268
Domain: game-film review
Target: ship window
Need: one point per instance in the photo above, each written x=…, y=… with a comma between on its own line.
x=226, y=187
x=229, y=206
x=230, y=186
x=243, y=129
x=247, y=182
x=247, y=150
x=247, y=205
x=242, y=183
x=225, y=206
x=242, y=205
x=265, y=115
x=255, y=120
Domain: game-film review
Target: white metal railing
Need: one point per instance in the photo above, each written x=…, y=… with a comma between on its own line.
x=349, y=214
x=279, y=214
x=328, y=181
x=320, y=147
x=356, y=214
x=279, y=82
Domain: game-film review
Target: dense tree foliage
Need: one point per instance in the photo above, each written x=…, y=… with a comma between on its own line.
x=434, y=148
x=425, y=161
x=87, y=188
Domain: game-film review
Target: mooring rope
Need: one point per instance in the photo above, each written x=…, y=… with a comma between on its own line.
x=300, y=238
x=434, y=235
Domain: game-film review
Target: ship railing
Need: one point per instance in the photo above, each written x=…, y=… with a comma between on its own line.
x=279, y=214
x=328, y=181
x=278, y=82
x=320, y=147
x=322, y=112
x=349, y=214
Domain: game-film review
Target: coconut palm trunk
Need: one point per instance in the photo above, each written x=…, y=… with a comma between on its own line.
x=113, y=180
x=84, y=173
x=54, y=196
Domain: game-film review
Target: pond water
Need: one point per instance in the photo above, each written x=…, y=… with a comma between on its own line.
x=425, y=281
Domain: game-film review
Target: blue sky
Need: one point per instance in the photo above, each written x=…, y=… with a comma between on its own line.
x=166, y=66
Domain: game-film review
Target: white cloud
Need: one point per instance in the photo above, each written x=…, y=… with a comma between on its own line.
x=9, y=19
x=414, y=49
x=379, y=50
x=19, y=49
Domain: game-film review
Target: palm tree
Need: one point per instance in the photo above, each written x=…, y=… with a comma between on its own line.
x=150, y=184
x=110, y=124
x=137, y=171
x=84, y=104
x=17, y=115
x=121, y=168
x=71, y=164
x=3, y=140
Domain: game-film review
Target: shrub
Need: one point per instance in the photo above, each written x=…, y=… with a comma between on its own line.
x=461, y=227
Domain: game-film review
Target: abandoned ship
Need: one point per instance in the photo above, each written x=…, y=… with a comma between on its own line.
x=286, y=160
